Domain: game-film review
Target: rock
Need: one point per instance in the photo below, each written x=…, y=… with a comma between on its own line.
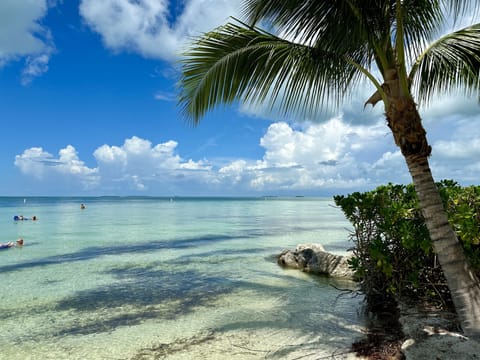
x=313, y=258
x=314, y=247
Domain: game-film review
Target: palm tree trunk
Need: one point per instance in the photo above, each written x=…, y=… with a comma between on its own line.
x=462, y=282
x=406, y=125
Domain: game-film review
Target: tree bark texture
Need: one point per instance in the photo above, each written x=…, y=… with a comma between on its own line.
x=409, y=134
x=462, y=281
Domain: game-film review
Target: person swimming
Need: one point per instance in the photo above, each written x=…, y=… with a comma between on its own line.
x=10, y=244
x=21, y=217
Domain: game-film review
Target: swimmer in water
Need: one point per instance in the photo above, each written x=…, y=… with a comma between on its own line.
x=12, y=244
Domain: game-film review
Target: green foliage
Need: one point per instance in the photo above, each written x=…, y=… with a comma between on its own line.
x=393, y=254
x=463, y=209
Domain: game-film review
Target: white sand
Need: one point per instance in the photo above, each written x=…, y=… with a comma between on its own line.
x=428, y=337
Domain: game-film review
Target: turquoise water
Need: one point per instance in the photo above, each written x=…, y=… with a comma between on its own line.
x=154, y=278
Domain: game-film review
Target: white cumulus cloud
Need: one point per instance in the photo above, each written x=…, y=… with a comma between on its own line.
x=329, y=158
x=24, y=37
x=159, y=29
x=140, y=165
x=315, y=158
x=456, y=155
x=41, y=164
x=154, y=28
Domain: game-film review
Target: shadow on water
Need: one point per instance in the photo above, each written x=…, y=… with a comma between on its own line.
x=96, y=252
x=145, y=293
x=217, y=256
x=288, y=328
x=148, y=292
x=142, y=293
x=138, y=293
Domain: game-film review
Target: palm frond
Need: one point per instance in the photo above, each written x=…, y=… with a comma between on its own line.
x=304, y=20
x=451, y=63
x=238, y=62
x=365, y=27
x=422, y=20
x=342, y=26
x=458, y=8
x=322, y=47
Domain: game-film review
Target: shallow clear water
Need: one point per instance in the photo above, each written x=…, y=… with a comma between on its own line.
x=151, y=278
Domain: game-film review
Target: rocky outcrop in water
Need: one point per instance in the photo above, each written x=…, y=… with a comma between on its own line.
x=313, y=258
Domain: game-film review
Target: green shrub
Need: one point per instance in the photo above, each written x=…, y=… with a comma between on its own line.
x=463, y=209
x=393, y=254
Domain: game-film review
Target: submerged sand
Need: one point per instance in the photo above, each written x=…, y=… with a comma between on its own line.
x=248, y=345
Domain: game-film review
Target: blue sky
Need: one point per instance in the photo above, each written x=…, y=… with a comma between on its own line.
x=88, y=107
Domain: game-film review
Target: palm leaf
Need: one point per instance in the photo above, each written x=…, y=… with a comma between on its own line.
x=461, y=7
x=320, y=50
x=450, y=64
x=237, y=62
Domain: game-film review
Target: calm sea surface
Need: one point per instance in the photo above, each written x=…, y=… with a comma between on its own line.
x=181, y=278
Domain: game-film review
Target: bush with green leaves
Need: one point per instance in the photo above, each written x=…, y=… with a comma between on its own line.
x=393, y=254
x=463, y=209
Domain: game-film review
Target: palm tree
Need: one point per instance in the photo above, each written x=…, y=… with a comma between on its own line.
x=322, y=50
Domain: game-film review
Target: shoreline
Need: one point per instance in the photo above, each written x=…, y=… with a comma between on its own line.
x=435, y=335
x=398, y=330
x=413, y=333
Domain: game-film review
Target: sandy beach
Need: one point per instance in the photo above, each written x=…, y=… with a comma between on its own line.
x=435, y=337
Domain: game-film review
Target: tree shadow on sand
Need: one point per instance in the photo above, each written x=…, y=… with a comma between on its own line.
x=325, y=329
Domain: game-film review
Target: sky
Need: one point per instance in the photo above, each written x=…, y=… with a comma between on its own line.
x=88, y=107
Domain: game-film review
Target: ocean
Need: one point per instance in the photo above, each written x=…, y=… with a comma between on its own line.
x=136, y=278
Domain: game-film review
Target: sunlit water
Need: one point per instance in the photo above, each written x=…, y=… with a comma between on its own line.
x=152, y=278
